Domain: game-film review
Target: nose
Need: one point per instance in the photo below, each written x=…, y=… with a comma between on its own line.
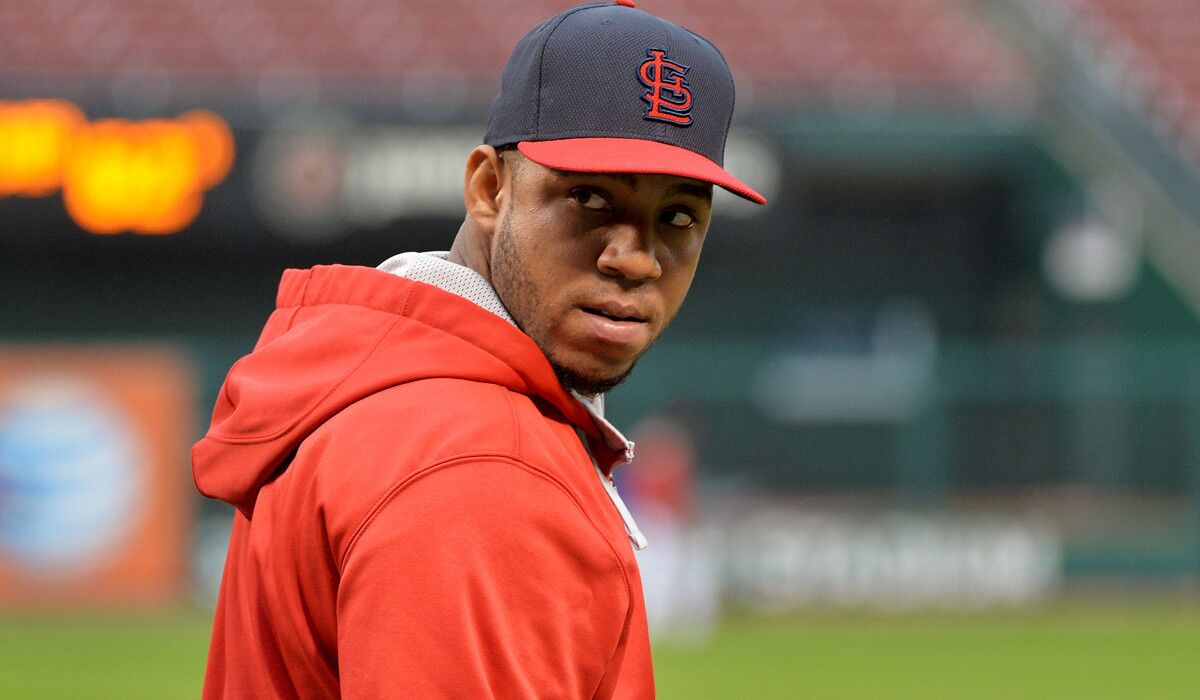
x=629, y=253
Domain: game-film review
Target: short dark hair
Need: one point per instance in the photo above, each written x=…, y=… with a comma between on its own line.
x=511, y=163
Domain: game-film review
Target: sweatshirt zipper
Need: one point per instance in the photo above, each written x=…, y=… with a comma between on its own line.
x=635, y=535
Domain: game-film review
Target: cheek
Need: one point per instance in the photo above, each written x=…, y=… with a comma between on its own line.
x=561, y=261
x=682, y=251
x=676, y=281
x=548, y=268
x=680, y=262
x=544, y=260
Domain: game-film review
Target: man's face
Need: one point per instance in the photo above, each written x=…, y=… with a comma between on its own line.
x=593, y=267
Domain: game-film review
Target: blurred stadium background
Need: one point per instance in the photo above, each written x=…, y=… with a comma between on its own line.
x=940, y=398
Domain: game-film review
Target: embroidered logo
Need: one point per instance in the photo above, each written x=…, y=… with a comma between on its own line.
x=669, y=99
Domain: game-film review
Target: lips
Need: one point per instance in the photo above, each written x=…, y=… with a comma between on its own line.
x=616, y=311
x=614, y=323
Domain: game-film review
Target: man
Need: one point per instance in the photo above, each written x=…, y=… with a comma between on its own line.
x=417, y=453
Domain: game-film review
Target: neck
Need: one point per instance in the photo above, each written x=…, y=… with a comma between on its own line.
x=469, y=252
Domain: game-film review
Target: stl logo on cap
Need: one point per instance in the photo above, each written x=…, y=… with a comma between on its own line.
x=669, y=97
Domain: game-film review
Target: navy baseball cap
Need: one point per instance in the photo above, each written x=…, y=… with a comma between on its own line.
x=605, y=87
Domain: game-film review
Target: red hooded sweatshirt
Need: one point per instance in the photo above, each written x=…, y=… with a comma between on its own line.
x=417, y=516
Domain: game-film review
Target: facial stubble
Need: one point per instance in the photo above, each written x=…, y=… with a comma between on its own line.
x=526, y=307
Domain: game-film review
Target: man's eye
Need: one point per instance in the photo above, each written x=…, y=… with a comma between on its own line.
x=678, y=219
x=589, y=199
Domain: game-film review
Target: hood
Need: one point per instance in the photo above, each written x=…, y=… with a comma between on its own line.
x=339, y=334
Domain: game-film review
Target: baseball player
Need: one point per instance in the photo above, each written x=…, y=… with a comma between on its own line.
x=418, y=453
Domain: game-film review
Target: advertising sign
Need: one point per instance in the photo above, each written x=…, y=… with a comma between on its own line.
x=93, y=475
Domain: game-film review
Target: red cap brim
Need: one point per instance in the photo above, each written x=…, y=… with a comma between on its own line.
x=617, y=155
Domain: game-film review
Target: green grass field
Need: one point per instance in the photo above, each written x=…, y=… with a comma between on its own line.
x=1077, y=650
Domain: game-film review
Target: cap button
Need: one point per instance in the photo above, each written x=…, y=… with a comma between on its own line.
x=626, y=3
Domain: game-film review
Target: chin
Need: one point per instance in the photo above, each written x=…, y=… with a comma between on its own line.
x=590, y=381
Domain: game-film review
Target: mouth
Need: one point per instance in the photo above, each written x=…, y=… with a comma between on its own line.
x=615, y=312
x=615, y=324
x=612, y=316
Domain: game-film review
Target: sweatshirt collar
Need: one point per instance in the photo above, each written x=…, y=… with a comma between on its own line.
x=435, y=268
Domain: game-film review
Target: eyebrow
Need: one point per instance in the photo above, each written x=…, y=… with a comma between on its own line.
x=704, y=192
x=698, y=191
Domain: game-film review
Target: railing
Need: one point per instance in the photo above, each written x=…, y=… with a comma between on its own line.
x=1104, y=133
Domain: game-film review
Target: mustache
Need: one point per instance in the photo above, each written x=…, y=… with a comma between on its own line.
x=619, y=302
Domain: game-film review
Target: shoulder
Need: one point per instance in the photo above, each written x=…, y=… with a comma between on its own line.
x=387, y=437
x=369, y=454
x=481, y=506
x=431, y=419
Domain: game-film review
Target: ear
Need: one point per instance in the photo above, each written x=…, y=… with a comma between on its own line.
x=485, y=187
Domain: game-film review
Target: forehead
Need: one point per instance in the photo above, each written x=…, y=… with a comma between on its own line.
x=668, y=185
x=672, y=184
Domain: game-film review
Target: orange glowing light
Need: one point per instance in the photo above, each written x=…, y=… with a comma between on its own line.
x=214, y=140
x=146, y=177
x=35, y=140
